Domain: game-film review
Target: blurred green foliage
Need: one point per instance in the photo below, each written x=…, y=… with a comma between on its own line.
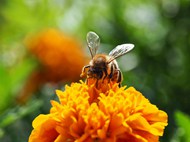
x=183, y=131
x=158, y=66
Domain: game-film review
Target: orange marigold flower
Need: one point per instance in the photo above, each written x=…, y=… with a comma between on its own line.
x=114, y=115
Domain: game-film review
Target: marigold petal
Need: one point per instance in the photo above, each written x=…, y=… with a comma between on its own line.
x=43, y=126
x=61, y=138
x=136, y=121
x=39, y=120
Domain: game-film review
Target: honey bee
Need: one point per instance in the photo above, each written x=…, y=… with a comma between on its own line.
x=104, y=67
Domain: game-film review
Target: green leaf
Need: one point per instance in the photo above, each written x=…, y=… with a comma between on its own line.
x=183, y=122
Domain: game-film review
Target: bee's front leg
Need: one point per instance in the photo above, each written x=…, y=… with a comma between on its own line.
x=84, y=71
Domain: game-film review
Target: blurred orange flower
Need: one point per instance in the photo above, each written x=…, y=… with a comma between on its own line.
x=61, y=58
x=114, y=115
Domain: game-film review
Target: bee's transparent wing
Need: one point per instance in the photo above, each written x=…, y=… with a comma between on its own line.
x=120, y=50
x=93, y=42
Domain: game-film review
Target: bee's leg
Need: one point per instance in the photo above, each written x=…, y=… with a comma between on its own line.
x=84, y=70
x=96, y=83
x=111, y=72
x=120, y=77
x=105, y=75
x=119, y=85
x=86, y=81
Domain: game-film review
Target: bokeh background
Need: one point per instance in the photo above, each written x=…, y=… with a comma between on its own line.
x=43, y=47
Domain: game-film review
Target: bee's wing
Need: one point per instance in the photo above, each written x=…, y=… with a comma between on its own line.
x=120, y=50
x=93, y=42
